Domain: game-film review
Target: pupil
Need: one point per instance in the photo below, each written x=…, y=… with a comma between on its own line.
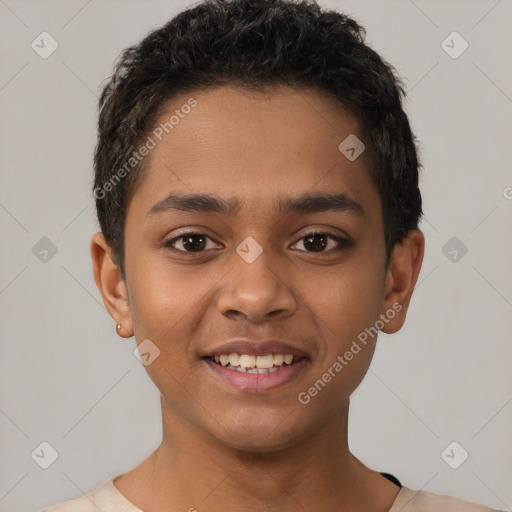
x=315, y=242
x=194, y=246
x=316, y=246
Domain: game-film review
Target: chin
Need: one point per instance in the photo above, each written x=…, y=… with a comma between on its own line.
x=273, y=433
x=257, y=443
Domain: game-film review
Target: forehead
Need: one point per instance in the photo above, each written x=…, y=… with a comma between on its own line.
x=258, y=146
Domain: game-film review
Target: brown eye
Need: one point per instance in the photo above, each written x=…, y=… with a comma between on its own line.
x=319, y=242
x=190, y=242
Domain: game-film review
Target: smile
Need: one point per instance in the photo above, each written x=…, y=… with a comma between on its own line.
x=248, y=363
x=256, y=373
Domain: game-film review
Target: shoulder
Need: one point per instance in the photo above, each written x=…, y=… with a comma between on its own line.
x=409, y=500
x=104, y=498
x=82, y=504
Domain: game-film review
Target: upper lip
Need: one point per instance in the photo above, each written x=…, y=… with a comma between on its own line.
x=255, y=347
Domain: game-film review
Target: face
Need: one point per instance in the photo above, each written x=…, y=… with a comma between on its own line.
x=256, y=272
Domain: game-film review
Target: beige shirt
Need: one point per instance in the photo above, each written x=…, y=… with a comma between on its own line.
x=107, y=498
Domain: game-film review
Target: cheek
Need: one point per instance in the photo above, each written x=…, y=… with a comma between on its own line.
x=348, y=302
x=344, y=317
x=162, y=295
x=164, y=307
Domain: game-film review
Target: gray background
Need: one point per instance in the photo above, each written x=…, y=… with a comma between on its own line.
x=67, y=379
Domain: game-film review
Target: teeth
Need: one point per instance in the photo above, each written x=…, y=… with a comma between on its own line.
x=234, y=359
x=247, y=361
x=279, y=359
x=253, y=370
x=252, y=363
x=265, y=361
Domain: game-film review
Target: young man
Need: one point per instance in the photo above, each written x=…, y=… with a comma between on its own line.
x=257, y=191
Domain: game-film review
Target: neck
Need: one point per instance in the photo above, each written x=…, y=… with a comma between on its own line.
x=192, y=470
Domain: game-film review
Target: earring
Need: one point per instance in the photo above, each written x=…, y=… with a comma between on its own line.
x=118, y=327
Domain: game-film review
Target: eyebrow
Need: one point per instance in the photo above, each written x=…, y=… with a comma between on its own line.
x=304, y=203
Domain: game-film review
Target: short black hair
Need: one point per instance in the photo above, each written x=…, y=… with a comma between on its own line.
x=256, y=44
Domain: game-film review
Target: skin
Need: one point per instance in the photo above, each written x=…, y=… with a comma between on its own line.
x=223, y=448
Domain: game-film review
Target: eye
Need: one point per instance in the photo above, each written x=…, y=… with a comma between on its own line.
x=190, y=242
x=319, y=242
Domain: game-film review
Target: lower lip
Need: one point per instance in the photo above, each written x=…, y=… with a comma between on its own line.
x=258, y=382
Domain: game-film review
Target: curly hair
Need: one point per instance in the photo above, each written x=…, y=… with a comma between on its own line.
x=256, y=44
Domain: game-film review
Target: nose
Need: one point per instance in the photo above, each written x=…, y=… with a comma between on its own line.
x=256, y=291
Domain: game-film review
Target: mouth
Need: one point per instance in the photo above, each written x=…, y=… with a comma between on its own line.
x=249, y=363
x=256, y=373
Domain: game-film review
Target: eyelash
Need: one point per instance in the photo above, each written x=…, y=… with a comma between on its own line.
x=344, y=243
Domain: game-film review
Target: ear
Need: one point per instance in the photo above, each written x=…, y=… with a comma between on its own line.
x=111, y=285
x=402, y=274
